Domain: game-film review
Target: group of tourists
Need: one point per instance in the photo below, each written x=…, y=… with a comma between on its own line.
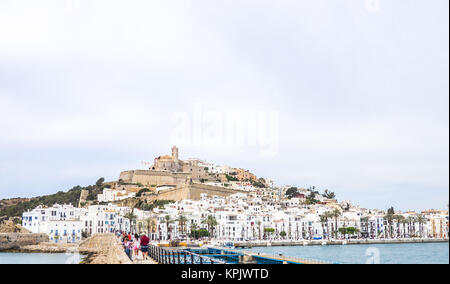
x=134, y=244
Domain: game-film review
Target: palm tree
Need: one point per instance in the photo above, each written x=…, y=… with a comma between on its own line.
x=329, y=216
x=411, y=220
x=182, y=223
x=365, y=220
x=194, y=227
x=167, y=220
x=335, y=214
x=399, y=219
x=404, y=222
x=389, y=217
x=130, y=216
x=324, y=220
x=253, y=229
x=151, y=224
x=212, y=223
x=421, y=220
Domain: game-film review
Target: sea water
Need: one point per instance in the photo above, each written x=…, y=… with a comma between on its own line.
x=414, y=253
x=39, y=258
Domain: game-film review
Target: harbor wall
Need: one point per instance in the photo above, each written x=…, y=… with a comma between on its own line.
x=12, y=241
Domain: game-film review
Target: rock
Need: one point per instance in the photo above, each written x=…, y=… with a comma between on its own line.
x=9, y=226
x=15, y=241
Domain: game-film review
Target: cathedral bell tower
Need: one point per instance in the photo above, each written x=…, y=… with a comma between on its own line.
x=175, y=154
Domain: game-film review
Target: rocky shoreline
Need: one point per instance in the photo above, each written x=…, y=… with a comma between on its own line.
x=16, y=241
x=47, y=248
x=98, y=249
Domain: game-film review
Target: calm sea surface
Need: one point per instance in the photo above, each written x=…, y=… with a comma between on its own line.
x=38, y=258
x=380, y=253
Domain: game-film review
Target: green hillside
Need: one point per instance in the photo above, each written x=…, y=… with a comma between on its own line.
x=72, y=196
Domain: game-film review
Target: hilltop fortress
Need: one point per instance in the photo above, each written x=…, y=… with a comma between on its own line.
x=170, y=178
x=170, y=170
x=166, y=170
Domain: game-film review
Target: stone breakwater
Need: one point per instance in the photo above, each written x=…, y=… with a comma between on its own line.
x=15, y=241
x=98, y=249
x=334, y=242
x=103, y=249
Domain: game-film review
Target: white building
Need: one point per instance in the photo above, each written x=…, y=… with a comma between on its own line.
x=61, y=222
x=110, y=195
x=66, y=224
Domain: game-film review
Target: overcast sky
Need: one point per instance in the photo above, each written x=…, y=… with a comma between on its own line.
x=359, y=92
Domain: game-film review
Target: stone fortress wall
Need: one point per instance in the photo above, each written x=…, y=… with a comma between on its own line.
x=193, y=192
x=154, y=178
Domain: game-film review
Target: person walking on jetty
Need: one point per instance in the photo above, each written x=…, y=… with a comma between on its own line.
x=144, y=246
x=136, y=245
x=128, y=246
x=123, y=237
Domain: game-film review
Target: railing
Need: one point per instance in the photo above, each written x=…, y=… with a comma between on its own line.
x=218, y=256
x=179, y=256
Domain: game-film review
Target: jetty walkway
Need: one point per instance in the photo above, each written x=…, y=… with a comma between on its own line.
x=103, y=249
x=107, y=249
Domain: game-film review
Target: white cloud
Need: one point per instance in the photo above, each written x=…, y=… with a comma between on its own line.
x=362, y=97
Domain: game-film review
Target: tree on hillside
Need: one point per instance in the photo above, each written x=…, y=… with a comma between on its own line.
x=231, y=178
x=100, y=181
x=311, y=199
x=72, y=196
x=291, y=192
x=391, y=211
x=258, y=183
x=329, y=194
x=140, y=192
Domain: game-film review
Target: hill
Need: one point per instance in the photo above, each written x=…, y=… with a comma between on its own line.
x=16, y=206
x=11, y=201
